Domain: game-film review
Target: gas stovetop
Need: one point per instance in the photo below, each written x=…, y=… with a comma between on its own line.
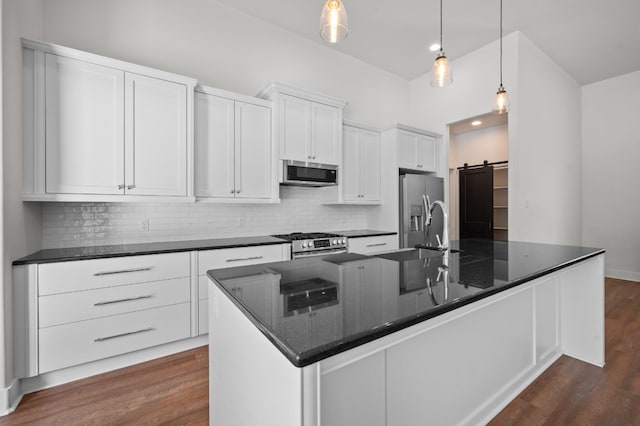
x=314, y=243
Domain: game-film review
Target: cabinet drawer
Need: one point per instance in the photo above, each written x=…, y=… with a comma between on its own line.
x=72, y=344
x=64, y=308
x=80, y=275
x=366, y=245
x=227, y=258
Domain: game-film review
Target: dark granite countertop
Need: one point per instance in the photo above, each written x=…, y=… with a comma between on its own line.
x=364, y=233
x=319, y=307
x=97, y=252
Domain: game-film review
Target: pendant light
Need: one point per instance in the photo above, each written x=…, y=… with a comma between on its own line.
x=441, y=71
x=334, y=25
x=501, y=102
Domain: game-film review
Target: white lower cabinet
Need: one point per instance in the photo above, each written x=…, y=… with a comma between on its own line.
x=79, y=342
x=368, y=245
x=227, y=258
x=81, y=311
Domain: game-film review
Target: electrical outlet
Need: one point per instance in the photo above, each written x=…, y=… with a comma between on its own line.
x=241, y=221
x=144, y=225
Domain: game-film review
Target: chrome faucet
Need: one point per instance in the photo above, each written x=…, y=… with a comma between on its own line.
x=429, y=207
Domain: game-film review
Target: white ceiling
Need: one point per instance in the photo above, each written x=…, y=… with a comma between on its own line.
x=591, y=39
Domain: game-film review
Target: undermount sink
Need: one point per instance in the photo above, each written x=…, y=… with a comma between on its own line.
x=414, y=254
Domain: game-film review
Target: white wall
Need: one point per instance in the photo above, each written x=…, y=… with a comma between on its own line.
x=224, y=48
x=21, y=222
x=610, y=190
x=544, y=137
x=490, y=144
x=545, y=161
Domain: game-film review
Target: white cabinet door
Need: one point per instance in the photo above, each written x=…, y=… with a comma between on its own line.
x=294, y=128
x=326, y=123
x=84, y=127
x=427, y=153
x=156, y=136
x=214, y=146
x=416, y=151
x=252, y=151
x=407, y=150
x=370, y=165
x=350, y=172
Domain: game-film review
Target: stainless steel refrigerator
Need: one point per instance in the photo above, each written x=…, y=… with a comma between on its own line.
x=412, y=210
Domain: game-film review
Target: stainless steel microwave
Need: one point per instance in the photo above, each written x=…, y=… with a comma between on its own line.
x=297, y=173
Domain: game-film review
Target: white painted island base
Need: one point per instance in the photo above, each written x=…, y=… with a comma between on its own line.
x=461, y=367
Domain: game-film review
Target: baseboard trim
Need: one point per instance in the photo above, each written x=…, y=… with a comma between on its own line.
x=622, y=274
x=10, y=397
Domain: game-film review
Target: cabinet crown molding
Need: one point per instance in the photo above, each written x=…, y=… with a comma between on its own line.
x=106, y=61
x=274, y=88
x=411, y=129
x=207, y=90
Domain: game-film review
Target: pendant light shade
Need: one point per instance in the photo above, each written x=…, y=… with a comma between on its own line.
x=441, y=74
x=501, y=103
x=334, y=25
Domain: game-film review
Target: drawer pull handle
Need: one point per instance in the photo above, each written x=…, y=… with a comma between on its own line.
x=130, y=299
x=122, y=271
x=376, y=245
x=102, y=339
x=244, y=258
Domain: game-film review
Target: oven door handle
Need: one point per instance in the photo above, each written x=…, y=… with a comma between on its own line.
x=316, y=254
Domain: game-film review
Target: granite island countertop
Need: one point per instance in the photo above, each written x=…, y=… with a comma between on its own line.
x=314, y=308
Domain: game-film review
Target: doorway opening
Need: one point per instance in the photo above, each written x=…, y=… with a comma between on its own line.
x=478, y=177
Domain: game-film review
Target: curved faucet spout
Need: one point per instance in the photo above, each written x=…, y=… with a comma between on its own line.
x=444, y=243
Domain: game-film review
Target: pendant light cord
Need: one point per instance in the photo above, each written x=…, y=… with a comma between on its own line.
x=500, y=42
x=441, y=25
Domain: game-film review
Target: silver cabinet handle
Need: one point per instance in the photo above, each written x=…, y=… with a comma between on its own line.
x=232, y=191
x=120, y=186
x=243, y=259
x=123, y=271
x=130, y=186
x=129, y=299
x=376, y=245
x=115, y=336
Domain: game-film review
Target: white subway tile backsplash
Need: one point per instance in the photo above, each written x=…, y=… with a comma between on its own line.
x=88, y=224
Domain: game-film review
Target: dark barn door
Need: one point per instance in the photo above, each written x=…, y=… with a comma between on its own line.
x=476, y=202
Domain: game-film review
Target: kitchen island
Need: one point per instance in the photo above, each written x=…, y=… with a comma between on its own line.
x=399, y=338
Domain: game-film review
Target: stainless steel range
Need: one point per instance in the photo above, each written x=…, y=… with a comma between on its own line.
x=315, y=244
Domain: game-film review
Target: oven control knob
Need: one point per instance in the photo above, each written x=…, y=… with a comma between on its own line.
x=335, y=241
x=341, y=241
x=304, y=244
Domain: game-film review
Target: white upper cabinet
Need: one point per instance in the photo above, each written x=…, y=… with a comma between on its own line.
x=360, y=177
x=99, y=129
x=326, y=123
x=233, y=151
x=84, y=127
x=156, y=136
x=308, y=124
x=295, y=128
x=416, y=150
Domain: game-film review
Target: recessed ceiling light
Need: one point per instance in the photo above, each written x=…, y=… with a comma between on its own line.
x=476, y=123
x=434, y=47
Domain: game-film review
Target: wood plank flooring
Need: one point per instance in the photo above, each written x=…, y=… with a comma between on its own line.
x=174, y=389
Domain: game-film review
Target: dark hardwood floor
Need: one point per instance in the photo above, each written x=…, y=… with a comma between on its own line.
x=174, y=390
